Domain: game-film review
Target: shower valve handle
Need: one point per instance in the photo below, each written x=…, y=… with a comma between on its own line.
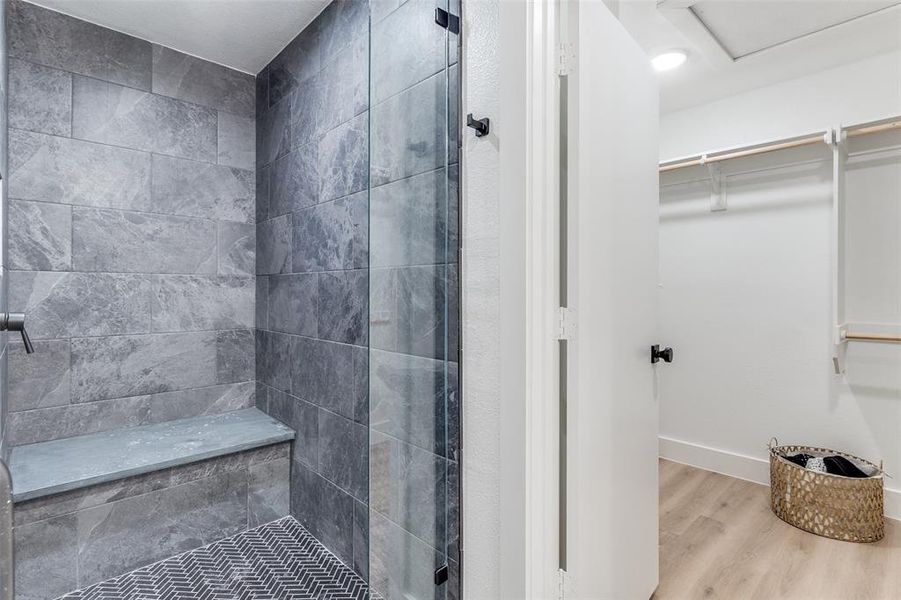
x=16, y=322
x=656, y=354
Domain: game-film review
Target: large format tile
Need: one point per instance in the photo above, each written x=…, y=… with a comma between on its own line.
x=303, y=418
x=237, y=248
x=331, y=236
x=40, y=98
x=401, y=566
x=344, y=307
x=81, y=304
x=396, y=67
x=324, y=509
x=84, y=418
x=408, y=310
x=408, y=485
x=345, y=84
x=293, y=301
x=40, y=236
x=185, y=77
x=343, y=452
x=56, y=169
x=344, y=159
x=195, y=189
x=130, y=365
x=274, y=245
x=273, y=366
x=237, y=141
x=45, y=558
x=273, y=132
x=361, y=540
x=269, y=492
x=323, y=373
x=295, y=64
x=120, y=116
x=118, y=537
x=56, y=40
x=38, y=380
x=262, y=91
x=261, y=301
x=294, y=181
x=409, y=221
x=122, y=241
x=192, y=302
x=235, y=355
x=262, y=193
x=340, y=24
x=408, y=399
x=420, y=145
x=307, y=109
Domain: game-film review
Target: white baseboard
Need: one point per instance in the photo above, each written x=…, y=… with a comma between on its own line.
x=742, y=466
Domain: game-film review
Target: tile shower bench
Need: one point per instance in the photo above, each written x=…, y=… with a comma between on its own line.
x=92, y=507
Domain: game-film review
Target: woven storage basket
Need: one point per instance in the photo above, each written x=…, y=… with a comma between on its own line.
x=842, y=508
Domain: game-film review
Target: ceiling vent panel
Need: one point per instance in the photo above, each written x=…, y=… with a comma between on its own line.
x=744, y=27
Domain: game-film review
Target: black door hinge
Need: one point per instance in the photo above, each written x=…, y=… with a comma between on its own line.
x=447, y=20
x=440, y=574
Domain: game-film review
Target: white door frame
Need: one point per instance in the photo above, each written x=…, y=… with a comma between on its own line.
x=509, y=276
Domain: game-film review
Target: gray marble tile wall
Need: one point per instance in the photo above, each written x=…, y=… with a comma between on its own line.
x=71, y=540
x=312, y=269
x=132, y=245
x=4, y=262
x=413, y=417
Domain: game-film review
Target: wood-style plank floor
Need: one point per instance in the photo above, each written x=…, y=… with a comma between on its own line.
x=719, y=539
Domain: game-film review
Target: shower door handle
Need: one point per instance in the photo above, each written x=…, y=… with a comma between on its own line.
x=7, y=558
x=16, y=322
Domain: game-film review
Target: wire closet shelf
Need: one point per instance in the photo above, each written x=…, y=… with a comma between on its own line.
x=834, y=137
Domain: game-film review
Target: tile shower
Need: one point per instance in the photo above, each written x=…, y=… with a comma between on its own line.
x=187, y=241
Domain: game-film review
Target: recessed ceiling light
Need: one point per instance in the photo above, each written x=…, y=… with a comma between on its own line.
x=669, y=60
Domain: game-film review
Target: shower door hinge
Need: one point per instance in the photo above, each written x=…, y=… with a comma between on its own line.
x=447, y=20
x=566, y=58
x=566, y=323
x=441, y=574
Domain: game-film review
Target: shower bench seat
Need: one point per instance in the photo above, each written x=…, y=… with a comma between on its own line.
x=48, y=468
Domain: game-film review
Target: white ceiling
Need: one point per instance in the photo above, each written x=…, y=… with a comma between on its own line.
x=738, y=45
x=241, y=34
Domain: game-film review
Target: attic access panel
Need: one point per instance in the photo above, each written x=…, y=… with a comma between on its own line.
x=744, y=27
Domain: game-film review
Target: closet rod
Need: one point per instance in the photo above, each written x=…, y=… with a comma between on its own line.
x=872, y=337
x=784, y=144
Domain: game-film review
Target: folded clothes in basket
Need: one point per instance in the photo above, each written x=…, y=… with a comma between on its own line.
x=834, y=465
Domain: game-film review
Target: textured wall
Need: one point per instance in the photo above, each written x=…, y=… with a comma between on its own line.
x=71, y=540
x=131, y=216
x=312, y=254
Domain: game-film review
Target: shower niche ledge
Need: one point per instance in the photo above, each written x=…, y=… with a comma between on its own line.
x=64, y=465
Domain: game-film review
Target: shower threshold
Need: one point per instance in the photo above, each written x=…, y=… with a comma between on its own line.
x=277, y=560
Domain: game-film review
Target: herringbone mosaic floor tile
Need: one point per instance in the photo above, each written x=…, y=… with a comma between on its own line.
x=278, y=561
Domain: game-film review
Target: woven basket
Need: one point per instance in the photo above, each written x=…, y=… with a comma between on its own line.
x=841, y=508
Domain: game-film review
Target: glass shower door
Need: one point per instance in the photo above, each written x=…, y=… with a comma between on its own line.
x=413, y=416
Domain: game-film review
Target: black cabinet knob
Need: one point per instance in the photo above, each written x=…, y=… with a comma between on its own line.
x=657, y=354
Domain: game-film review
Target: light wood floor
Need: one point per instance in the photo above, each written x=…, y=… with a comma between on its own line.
x=719, y=539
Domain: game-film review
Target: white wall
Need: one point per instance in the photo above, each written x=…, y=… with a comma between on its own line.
x=856, y=92
x=746, y=293
x=493, y=301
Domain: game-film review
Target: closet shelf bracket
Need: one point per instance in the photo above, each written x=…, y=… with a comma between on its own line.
x=717, y=185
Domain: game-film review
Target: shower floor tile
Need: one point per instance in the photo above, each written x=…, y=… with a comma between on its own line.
x=279, y=560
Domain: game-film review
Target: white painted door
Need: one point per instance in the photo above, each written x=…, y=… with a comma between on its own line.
x=612, y=549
